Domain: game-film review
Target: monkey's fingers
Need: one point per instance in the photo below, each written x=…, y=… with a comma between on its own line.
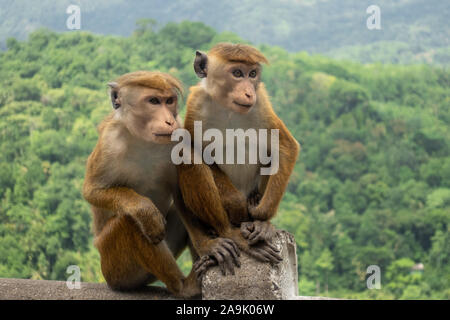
x=256, y=233
x=220, y=261
x=246, y=229
x=266, y=233
x=234, y=245
x=201, y=262
x=202, y=265
x=228, y=262
x=255, y=238
x=228, y=259
x=258, y=255
x=232, y=252
x=272, y=247
x=268, y=252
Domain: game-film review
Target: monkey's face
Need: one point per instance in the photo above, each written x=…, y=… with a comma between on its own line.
x=239, y=90
x=150, y=114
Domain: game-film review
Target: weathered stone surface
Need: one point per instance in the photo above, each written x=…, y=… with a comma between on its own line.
x=22, y=289
x=255, y=280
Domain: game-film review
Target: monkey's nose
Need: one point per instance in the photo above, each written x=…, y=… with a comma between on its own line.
x=248, y=95
x=170, y=123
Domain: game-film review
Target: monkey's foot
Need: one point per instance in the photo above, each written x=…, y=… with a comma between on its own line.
x=256, y=231
x=262, y=250
x=202, y=265
x=220, y=251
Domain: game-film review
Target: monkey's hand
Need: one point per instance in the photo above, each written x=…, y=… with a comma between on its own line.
x=149, y=219
x=266, y=252
x=256, y=231
x=262, y=250
x=219, y=251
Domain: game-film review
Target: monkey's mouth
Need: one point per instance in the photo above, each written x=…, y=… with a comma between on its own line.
x=243, y=105
x=163, y=134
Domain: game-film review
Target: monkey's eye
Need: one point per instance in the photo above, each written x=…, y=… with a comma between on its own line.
x=238, y=73
x=170, y=100
x=252, y=74
x=154, y=100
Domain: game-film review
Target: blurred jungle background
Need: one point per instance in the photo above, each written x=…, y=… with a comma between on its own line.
x=371, y=109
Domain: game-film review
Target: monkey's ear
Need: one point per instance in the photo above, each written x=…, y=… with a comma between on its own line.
x=200, y=64
x=114, y=94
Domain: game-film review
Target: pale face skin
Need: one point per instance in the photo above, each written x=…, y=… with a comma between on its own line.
x=239, y=90
x=151, y=114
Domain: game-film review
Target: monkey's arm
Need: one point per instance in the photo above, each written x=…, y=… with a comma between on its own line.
x=201, y=196
x=276, y=184
x=125, y=201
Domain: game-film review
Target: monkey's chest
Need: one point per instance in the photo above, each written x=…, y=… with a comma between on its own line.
x=245, y=177
x=158, y=186
x=241, y=147
x=152, y=178
x=240, y=163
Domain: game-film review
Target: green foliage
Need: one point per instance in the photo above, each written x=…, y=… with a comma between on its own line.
x=371, y=186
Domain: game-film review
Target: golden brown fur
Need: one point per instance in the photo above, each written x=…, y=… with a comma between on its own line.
x=237, y=53
x=150, y=79
x=132, y=184
x=218, y=194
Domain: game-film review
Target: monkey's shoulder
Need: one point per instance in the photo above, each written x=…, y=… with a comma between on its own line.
x=107, y=121
x=114, y=136
x=197, y=95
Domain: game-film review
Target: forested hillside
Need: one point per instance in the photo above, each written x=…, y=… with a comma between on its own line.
x=371, y=187
x=411, y=31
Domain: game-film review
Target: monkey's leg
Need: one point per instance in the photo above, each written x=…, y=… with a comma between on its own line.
x=233, y=201
x=128, y=259
x=257, y=230
x=224, y=251
x=237, y=206
x=201, y=196
x=177, y=237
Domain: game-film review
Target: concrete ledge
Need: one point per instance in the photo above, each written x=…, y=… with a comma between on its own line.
x=23, y=289
x=253, y=281
x=256, y=280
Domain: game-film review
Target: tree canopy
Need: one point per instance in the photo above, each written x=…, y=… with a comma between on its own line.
x=371, y=187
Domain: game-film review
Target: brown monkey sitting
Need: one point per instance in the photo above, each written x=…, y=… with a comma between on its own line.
x=231, y=96
x=131, y=184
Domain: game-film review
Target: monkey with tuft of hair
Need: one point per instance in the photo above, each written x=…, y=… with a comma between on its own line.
x=236, y=199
